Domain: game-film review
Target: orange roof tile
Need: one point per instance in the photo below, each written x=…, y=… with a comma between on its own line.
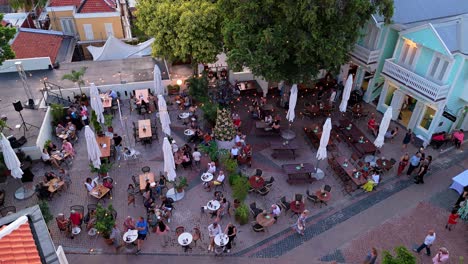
x=75, y=3
x=96, y=6
x=19, y=247
x=33, y=45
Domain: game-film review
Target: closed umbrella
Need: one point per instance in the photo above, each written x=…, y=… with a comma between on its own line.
x=96, y=103
x=158, y=88
x=346, y=93
x=379, y=141
x=164, y=115
x=292, y=104
x=94, y=153
x=11, y=160
x=322, y=150
x=169, y=164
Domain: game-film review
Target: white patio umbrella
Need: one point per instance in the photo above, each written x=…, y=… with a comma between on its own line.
x=292, y=104
x=322, y=150
x=158, y=88
x=11, y=160
x=96, y=103
x=346, y=93
x=379, y=141
x=94, y=153
x=164, y=115
x=169, y=164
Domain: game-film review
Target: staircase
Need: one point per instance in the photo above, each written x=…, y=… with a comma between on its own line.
x=54, y=99
x=53, y=94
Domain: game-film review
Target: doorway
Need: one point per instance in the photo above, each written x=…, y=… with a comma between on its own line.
x=407, y=110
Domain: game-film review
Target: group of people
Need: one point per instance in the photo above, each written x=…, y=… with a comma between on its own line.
x=67, y=152
x=419, y=161
x=61, y=181
x=143, y=105
x=456, y=137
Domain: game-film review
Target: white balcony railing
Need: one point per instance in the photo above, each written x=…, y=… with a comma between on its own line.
x=365, y=55
x=415, y=82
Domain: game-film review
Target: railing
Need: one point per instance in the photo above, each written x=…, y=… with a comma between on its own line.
x=413, y=81
x=365, y=55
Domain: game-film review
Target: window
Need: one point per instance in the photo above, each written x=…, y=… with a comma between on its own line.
x=371, y=37
x=109, y=29
x=67, y=26
x=427, y=118
x=439, y=68
x=88, y=29
x=389, y=96
x=408, y=53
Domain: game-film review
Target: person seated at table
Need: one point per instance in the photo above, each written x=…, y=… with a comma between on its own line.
x=71, y=130
x=84, y=115
x=371, y=183
x=263, y=101
x=256, y=112
x=129, y=224
x=149, y=204
x=112, y=94
x=59, y=130
x=67, y=147
x=268, y=119
x=174, y=146
x=90, y=184
x=275, y=127
x=50, y=176
x=218, y=195
x=45, y=156
x=275, y=211
x=166, y=207
x=133, y=103
x=366, y=167
x=458, y=137
x=90, y=219
x=43, y=189
x=76, y=218
x=234, y=152
x=196, y=137
x=372, y=126
x=223, y=209
x=391, y=134
x=161, y=184
x=51, y=147
x=178, y=158
x=186, y=159
x=187, y=102
x=211, y=167
x=236, y=120
x=239, y=138
x=151, y=103
x=219, y=180
x=106, y=182
x=192, y=110
x=193, y=123
x=147, y=192
x=207, y=138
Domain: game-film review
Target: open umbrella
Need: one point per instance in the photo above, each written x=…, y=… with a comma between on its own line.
x=346, y=93
x=94, y=153
x=158, y=88
x=164, y=115
x=322, y=150
x=379, y=141
x=169, y=164
x=96, y=103
x=11, y=160
x=292, y=104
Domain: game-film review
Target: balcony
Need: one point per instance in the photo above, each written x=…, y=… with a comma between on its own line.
x=414, y=82
x=365, y=55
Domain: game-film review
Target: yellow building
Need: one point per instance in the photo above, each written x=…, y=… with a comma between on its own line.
x=90, y=21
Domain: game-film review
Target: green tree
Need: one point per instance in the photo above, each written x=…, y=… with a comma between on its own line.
x=6, y=34
x=182, y=29
x=76, y=77
x=292, y=40
x=403, y=256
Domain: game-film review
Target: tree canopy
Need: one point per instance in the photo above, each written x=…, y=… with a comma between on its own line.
x=6, y=34
x=293, y=39
x=182, y=29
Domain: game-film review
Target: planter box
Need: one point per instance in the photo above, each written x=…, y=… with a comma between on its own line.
x=225, y=144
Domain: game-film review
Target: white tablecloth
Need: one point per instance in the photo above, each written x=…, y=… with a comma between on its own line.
x=460, y=181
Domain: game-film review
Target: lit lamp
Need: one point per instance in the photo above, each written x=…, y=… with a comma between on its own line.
x=179, y=82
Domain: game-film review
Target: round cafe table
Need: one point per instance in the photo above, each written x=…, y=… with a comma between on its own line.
x=324, y=197
x=297, y=208
x=189, y=132
x=265, y=220
x=129, y=238
x=213, y=205
x=207, y=177
x=384, y=164
x=256, y=182
x=184, y=240
x=221, y=240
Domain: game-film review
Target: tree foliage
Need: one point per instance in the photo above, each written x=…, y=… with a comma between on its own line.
x=182, y=29
x=6, y=34
x=293, y=39
x=403, y=256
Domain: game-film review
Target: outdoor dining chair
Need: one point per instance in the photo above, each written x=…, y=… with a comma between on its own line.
x=313, y=198
x=254, y=209
x=257, y=227
x=269, y=183
x=284, y=204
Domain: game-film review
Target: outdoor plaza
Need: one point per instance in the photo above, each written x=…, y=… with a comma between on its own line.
x=275, y=161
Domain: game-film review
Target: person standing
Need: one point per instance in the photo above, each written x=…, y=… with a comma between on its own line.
x=371, y=256
x=116, y=237
x=131, y=195
x=163, y=230
x=231, y=231
x=420, y=176
x=213, y=230
x=300, y=224
x=407, y=139
x=196, y=155
x=441, y=257
x=403, y=163
x=413, y=163
x=142, y=227
x=452, y=220
x=428, y=241
x=118, y=145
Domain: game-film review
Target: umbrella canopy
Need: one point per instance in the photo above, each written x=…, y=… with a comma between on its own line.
x=164, y=115
x=94, y=153
x=169, y=164
x=379, y=141
x=96, y=103
x=292, y=104
x=158, y=88
x=346, y=93
x=11, y=160
x=322, y=150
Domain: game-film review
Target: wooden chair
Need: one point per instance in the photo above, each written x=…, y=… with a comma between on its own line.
x=269, y=183
x=263, y=191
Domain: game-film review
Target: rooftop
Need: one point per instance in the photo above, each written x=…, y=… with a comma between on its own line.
x=17, y=243
x=55, y=3
x=96, y=6
x=454, y=34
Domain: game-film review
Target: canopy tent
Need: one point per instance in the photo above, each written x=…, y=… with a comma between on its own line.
x=116, y=49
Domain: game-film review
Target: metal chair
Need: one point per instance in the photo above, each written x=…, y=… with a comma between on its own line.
x=327, y=188
x=298, y=197
x=256, y=227
x=313, y=198
x=254, y=209
x=269, y=183
x=7, y=210
x=263, y=191
x=284, y=204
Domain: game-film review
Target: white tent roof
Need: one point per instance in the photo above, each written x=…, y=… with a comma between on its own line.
x=115, y=49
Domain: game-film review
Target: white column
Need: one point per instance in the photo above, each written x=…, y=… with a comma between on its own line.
x=370, y=89
x=418, y=108
x=397, y=102
x=383, y=94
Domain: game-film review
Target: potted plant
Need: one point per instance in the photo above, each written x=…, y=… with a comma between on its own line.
x=105, y=222
x=95, y=123
x=108, y=122
x=180, y=186
x=76, y=77
x=57, y=112
x=44, y=206
x=211, y=150
x=242, y=214
x=173, y=89
x=103, y=169
x=240, y=188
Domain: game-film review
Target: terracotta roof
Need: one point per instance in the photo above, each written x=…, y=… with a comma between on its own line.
x=18, y=246
x=96, y=6
x=75, y=3
x=33, y=45
x=4, y=23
